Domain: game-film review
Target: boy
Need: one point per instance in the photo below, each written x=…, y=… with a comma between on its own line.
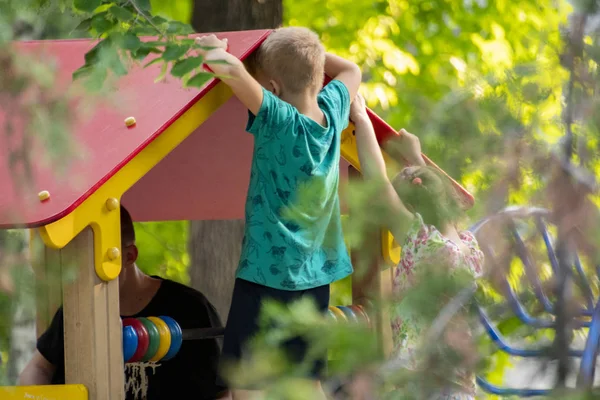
x=297, y=129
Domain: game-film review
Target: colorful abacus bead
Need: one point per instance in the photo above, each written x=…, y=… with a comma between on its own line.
x=339, y=314
x=361, y=314
x=349, y=314
x=143, y=338
x=164, y=334
x=130, y=343
x=331, y=315
x=176, y=337
x=154, y=337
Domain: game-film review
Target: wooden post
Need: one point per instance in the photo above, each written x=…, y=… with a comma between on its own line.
x=93, y=338
x=372, y=281
x=48, y=281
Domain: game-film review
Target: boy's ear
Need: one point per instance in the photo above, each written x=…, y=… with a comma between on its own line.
x=275, y=88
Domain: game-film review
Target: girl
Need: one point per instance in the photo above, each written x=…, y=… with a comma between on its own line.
x=423, y=208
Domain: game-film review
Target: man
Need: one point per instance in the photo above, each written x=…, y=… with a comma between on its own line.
x=194, y=369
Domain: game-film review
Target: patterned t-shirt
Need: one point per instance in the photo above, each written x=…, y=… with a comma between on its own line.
x=425, y=244
x=293, y=234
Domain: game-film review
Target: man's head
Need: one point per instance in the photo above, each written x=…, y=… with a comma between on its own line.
x=128, y=247
x=290, y=62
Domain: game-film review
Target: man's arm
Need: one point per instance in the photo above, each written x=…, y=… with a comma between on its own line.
x=344, y=71
x=38, y=371
x=232, y=72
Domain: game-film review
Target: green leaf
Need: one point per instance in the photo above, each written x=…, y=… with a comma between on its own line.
x=121, y=13
x=84, y=25
x=163, y=72
x=82, y=72
x=91, y=57
x=143, y=5
x=179, y=28
x=186, y=66
x=131, y=42
x=200, y=79
x=152, y=62
x=86, y=5
x=174, y=51
x=117, y=66
x=144, y=30
x=101, y=23
x=144, y=50
x=158, y=20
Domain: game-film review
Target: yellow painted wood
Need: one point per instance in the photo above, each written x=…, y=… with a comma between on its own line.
x=54, y=392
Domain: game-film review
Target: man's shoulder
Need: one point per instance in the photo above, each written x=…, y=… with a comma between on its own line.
x=183, y=292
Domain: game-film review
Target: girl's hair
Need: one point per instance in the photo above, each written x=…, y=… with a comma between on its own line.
x=435, y=199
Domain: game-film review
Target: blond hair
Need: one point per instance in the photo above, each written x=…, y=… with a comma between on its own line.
x=294, y=57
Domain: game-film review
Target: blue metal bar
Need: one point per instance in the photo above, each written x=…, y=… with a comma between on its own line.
x=587, y=369
x=499, y=391
x=584, y=283
x=499, y=340
x=530, y=271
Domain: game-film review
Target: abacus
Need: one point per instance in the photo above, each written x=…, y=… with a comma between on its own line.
x=352, y=313
x=151, y=339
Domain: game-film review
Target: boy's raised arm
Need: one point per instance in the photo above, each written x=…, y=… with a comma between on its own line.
x=232, y=72
x=344, y=71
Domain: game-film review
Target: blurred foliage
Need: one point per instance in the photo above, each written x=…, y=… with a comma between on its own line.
x=163, y=249
x=481, y=82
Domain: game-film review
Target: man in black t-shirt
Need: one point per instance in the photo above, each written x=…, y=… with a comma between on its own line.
x=192, y=372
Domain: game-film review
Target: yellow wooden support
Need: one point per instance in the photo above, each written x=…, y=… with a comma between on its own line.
x=101, y=211
x=54, y=392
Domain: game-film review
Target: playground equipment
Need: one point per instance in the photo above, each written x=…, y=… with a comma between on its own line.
x=156, y=153
x=527, y=228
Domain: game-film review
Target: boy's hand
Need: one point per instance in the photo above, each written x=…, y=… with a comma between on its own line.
x=214, y=51
x=211, y=41
x=358, y=110
x=231, y=71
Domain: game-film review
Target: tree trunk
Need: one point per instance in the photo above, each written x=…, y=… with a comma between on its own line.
x=215, y=245
x=236, y=15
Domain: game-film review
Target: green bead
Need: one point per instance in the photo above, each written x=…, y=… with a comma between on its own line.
x=154, y=338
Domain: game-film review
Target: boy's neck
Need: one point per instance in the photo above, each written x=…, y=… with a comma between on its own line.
x=307, y=105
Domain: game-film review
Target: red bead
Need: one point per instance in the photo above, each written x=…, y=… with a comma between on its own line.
x=143, y=338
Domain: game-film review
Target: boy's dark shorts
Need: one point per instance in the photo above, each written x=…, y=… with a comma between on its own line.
x=242, y=324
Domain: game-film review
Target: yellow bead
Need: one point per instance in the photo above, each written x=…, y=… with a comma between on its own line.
x=165, y=338
x=113, y=253
x=44, y=195
x=112, y=204
x=130, y=121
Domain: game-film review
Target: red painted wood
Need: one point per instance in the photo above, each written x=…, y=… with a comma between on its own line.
x=385, y=132
x=205, y=178
x=105, y=143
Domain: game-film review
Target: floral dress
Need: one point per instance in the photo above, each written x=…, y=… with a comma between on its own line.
x=423, y=244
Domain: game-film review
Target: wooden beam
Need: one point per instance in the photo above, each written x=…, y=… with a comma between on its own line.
x=93, y=339
x=48, y=281
x=372, y=281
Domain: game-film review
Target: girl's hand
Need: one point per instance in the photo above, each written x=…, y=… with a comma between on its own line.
x=409, y=147
x=358, y=110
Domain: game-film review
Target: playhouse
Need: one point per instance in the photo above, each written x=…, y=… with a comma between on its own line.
x=187, y=157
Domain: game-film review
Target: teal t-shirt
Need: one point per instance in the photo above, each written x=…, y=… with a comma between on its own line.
x=293, y=234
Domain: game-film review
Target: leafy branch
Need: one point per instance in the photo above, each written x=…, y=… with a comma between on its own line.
x=119, y=26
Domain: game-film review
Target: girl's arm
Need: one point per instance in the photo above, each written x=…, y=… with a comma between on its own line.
x=373, y=168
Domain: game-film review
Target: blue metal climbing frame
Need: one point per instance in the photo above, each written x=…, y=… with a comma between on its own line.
x=586, y=317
